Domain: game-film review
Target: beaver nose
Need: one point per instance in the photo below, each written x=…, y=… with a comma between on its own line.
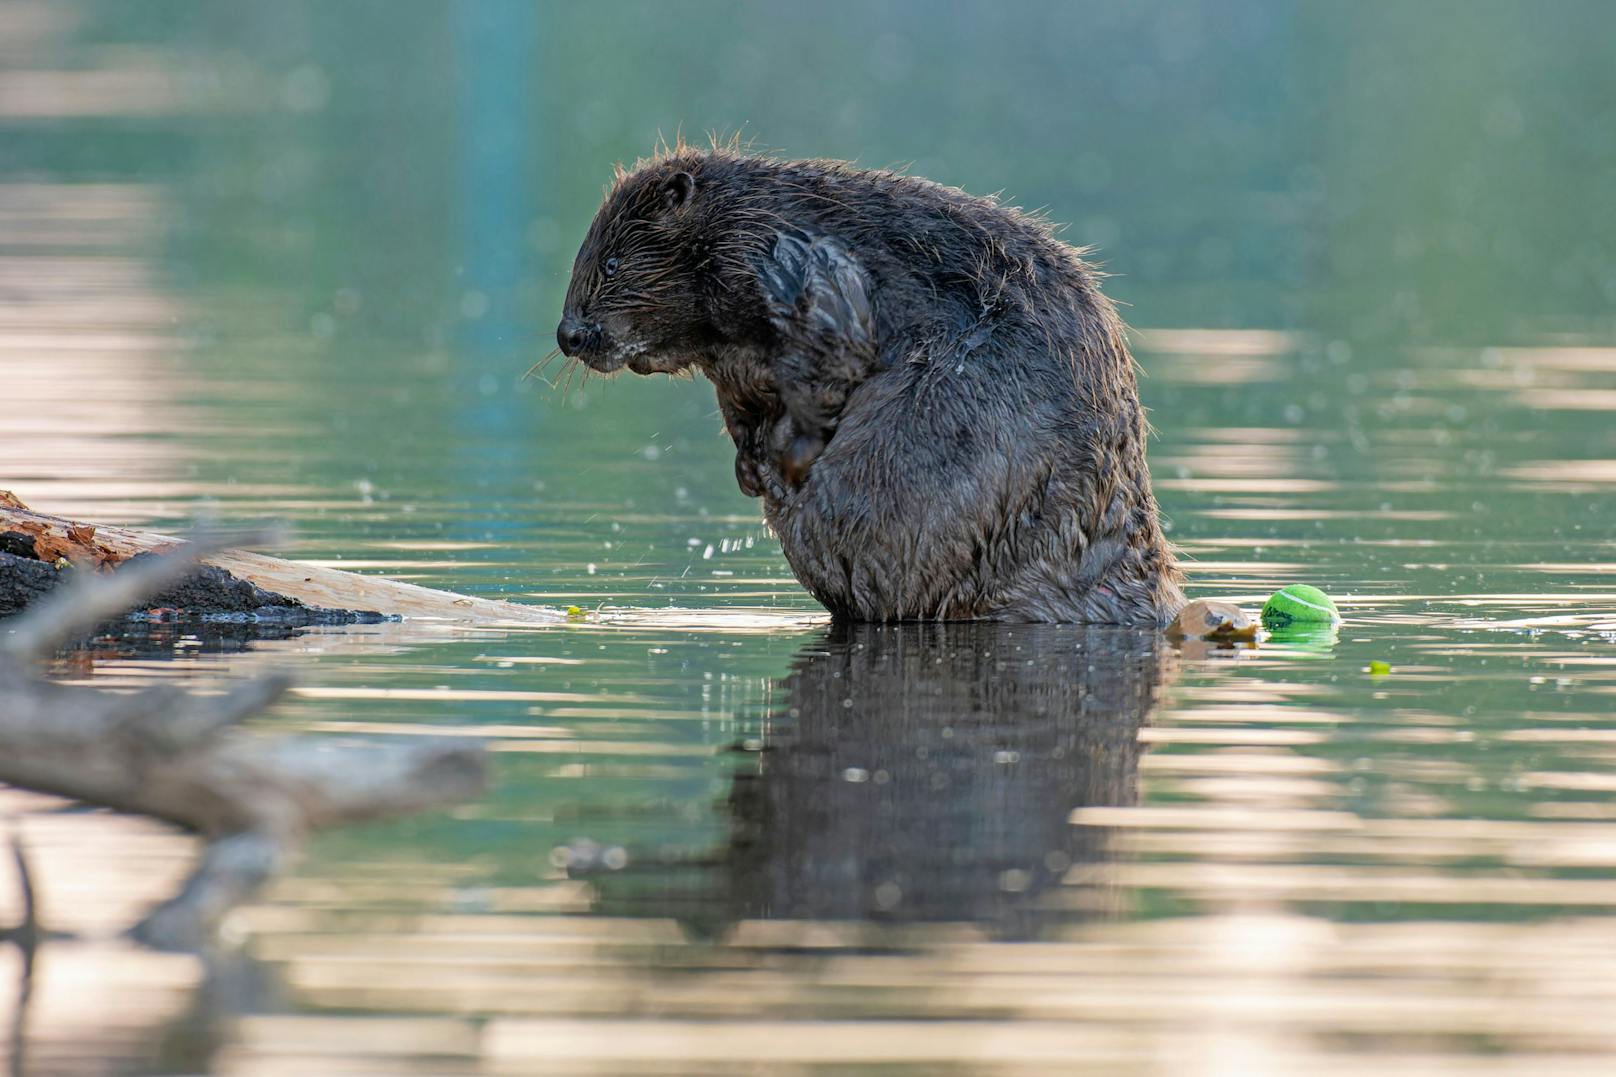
x=573, y=334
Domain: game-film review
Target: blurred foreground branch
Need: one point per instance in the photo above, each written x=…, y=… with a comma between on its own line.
x=177, y=756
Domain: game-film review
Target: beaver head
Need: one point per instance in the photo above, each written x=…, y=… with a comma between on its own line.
x=658, y=282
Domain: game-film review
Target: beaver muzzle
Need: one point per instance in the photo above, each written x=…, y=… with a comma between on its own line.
x=576, y=336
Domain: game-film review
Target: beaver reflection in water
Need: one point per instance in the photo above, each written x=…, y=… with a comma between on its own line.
x=927, y=389
x=910, y=773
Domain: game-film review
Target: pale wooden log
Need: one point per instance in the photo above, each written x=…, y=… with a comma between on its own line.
x=310, y=584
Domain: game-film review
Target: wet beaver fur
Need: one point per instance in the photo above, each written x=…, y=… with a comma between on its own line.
x=927, y=389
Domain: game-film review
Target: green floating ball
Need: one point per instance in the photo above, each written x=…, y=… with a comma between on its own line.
x=1299, y=604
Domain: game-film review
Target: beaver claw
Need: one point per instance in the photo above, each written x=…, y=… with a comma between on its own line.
x=785, y=274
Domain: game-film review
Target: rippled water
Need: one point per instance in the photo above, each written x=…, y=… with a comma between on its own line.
x=724, y=836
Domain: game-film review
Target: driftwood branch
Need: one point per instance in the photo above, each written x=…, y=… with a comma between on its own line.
x=178, y=756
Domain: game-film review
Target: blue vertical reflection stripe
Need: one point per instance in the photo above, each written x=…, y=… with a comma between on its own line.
x=495, y=43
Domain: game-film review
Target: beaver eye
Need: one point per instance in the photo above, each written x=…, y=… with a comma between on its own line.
x=611, y=267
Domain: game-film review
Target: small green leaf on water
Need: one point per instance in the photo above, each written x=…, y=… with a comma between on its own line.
x=1377, y=668
x=574, y=611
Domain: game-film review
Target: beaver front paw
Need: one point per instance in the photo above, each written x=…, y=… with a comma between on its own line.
x=772, y=458
x=747, y=475
x=799, y=457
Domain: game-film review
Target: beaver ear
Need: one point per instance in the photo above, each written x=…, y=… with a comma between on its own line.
x=677, y=191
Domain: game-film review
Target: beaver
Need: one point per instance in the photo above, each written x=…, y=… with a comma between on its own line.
x=927, y=389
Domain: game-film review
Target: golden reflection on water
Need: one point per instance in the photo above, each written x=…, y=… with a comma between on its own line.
x=86, y=347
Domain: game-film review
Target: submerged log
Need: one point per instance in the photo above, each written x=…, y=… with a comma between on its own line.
x=177, y=756
x=51, y=541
